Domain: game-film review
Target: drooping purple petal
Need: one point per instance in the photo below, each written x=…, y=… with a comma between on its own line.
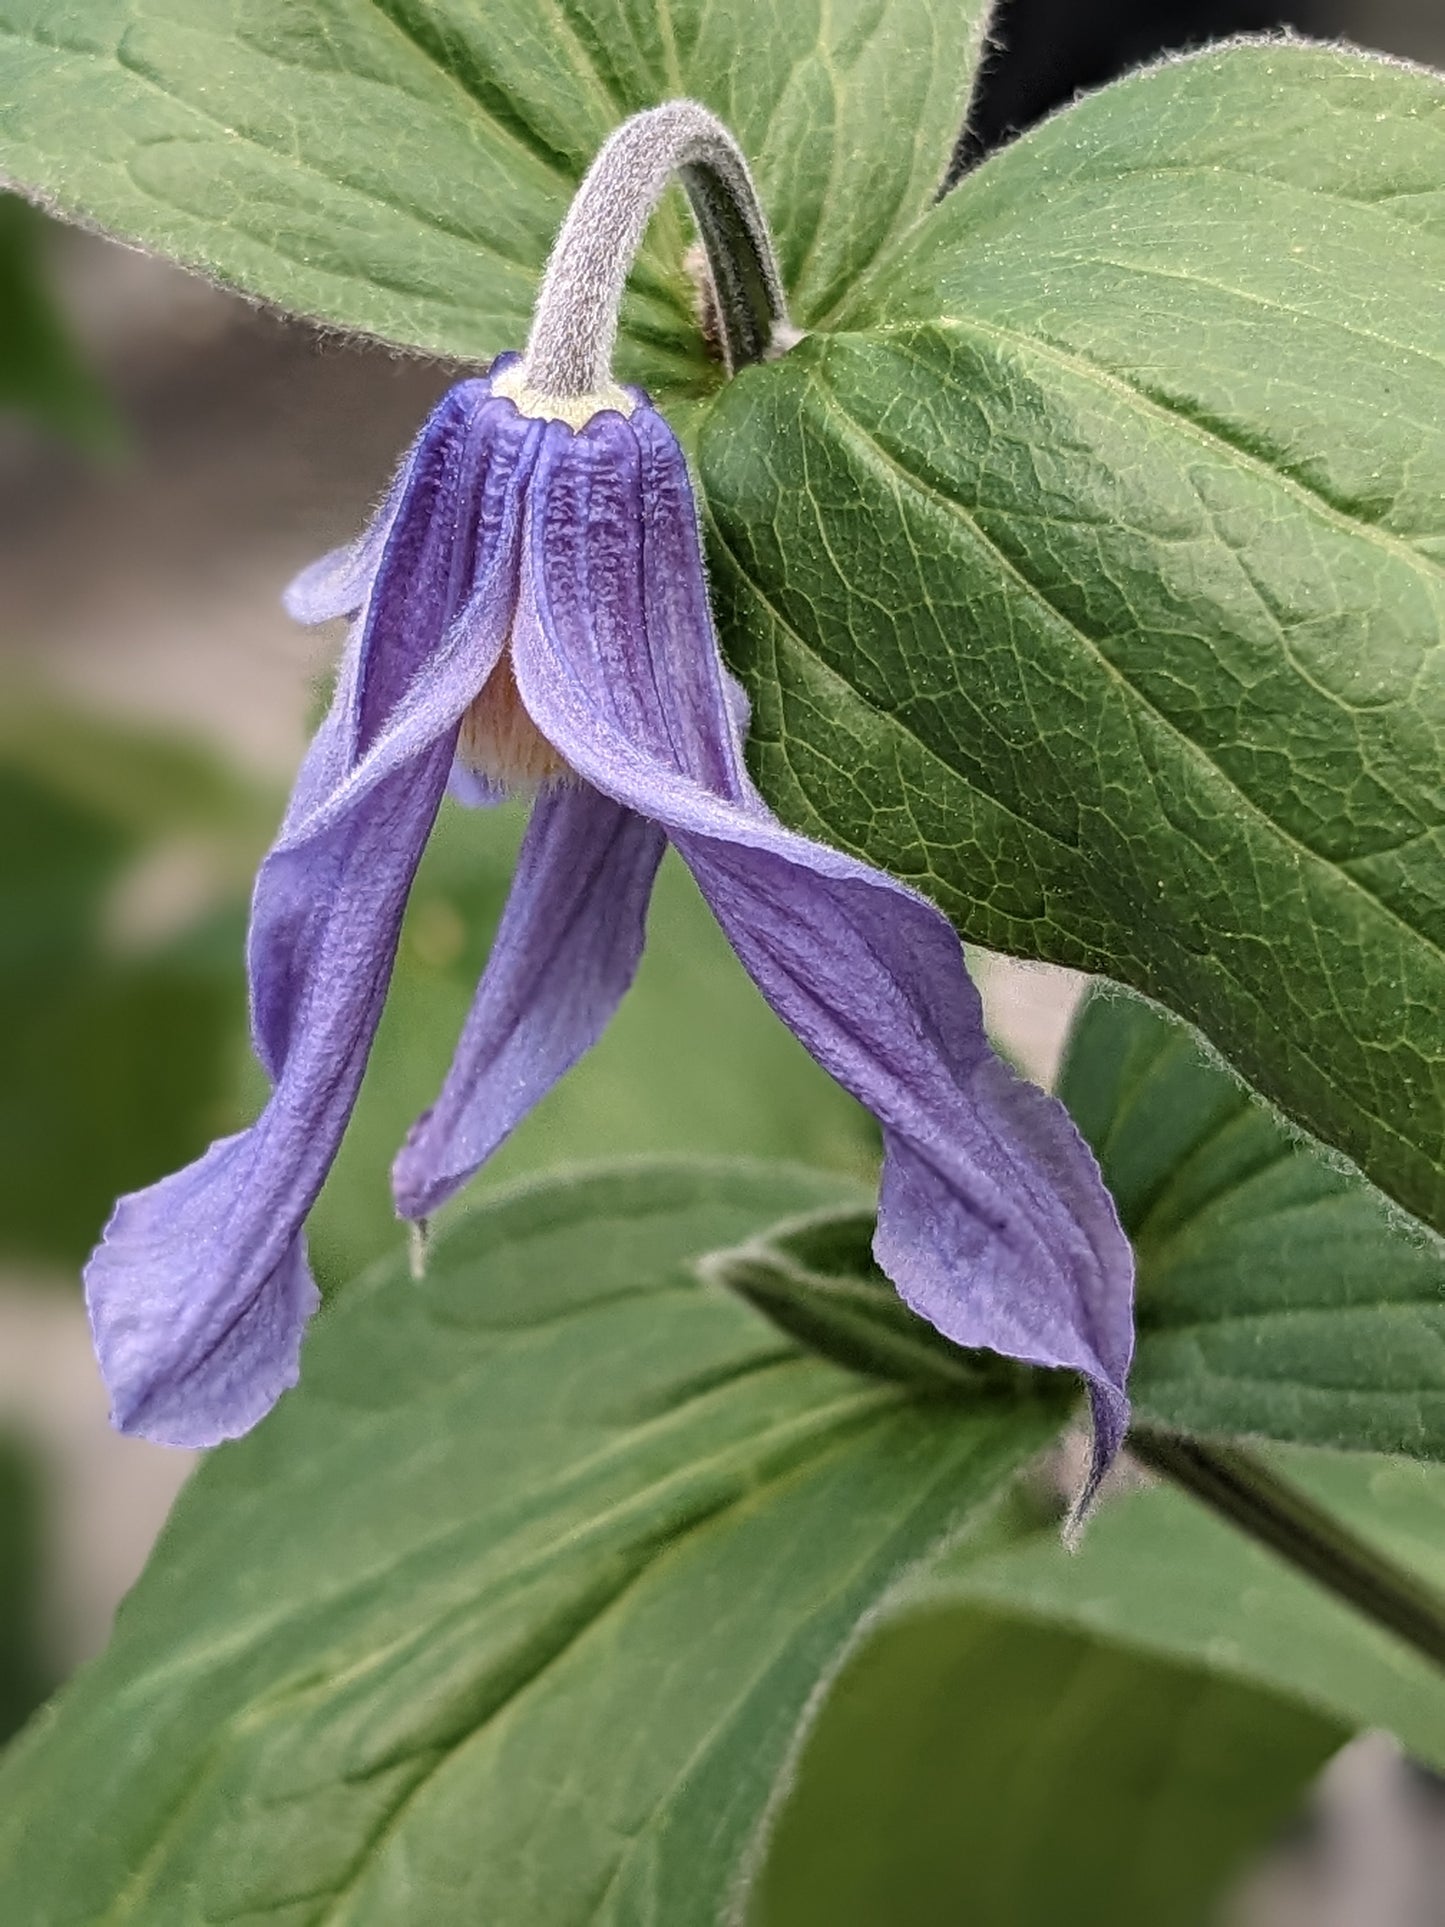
x=567, y=950
x=199, y=1290
x=994, y=1221
x=435, y=625
x=1061, y=1276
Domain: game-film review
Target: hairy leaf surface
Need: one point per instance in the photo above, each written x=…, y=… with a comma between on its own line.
x=512, y=1612
x=1093, y=575
x=1279, y=1293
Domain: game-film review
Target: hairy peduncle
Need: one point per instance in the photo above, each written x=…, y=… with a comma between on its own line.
x=574, y=327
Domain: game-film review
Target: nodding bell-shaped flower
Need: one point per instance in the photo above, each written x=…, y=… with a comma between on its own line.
x=530, y=614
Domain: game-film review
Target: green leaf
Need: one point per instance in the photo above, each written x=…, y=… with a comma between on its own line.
x=1279, y=1294
x=1159, y=1573
x=513, y=1610
x=43, y=375
x=401, y=166
x=1099, y=1736
x=117, y=1073
x=847, y=1312
x=149, y=783
x=1093, y=577
x=973, y=1767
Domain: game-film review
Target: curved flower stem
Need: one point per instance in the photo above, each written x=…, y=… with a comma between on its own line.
x=569, y=351
x=1242, y=1489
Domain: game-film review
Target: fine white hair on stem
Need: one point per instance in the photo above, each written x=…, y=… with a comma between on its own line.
x=574, y=327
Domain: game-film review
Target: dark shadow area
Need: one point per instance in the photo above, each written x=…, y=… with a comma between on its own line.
x=1046, y=51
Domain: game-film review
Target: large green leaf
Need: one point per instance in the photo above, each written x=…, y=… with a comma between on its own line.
x=513, y=1611
x=1092, y=577
x=1279, y=1294
x=1159, y=1573
x=976, y=1770
x=401, y=166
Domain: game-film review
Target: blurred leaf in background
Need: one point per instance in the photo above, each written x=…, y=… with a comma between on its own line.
x=1101, y=1738
x=119, y=1017
x=44, y=376
x=25, y=1676
x=978, y=1767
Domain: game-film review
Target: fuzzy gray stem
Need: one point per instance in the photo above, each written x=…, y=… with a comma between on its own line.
x=574, y=328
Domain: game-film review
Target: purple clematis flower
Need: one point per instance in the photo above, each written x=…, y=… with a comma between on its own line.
x=531, y=614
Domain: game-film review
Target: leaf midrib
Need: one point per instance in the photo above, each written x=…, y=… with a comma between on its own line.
x=1151, y=270
x=900, y=336
x=897, y=722
x=852, y=1404
x=1086, y=175
x=729, y=1715
x=875, y=452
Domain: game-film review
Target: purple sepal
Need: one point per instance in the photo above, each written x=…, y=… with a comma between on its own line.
x=568, y=947
x=186, y=1367
x=199, y=1291
x=994, y=1221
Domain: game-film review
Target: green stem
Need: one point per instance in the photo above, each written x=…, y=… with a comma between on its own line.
x=1242, y=1489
